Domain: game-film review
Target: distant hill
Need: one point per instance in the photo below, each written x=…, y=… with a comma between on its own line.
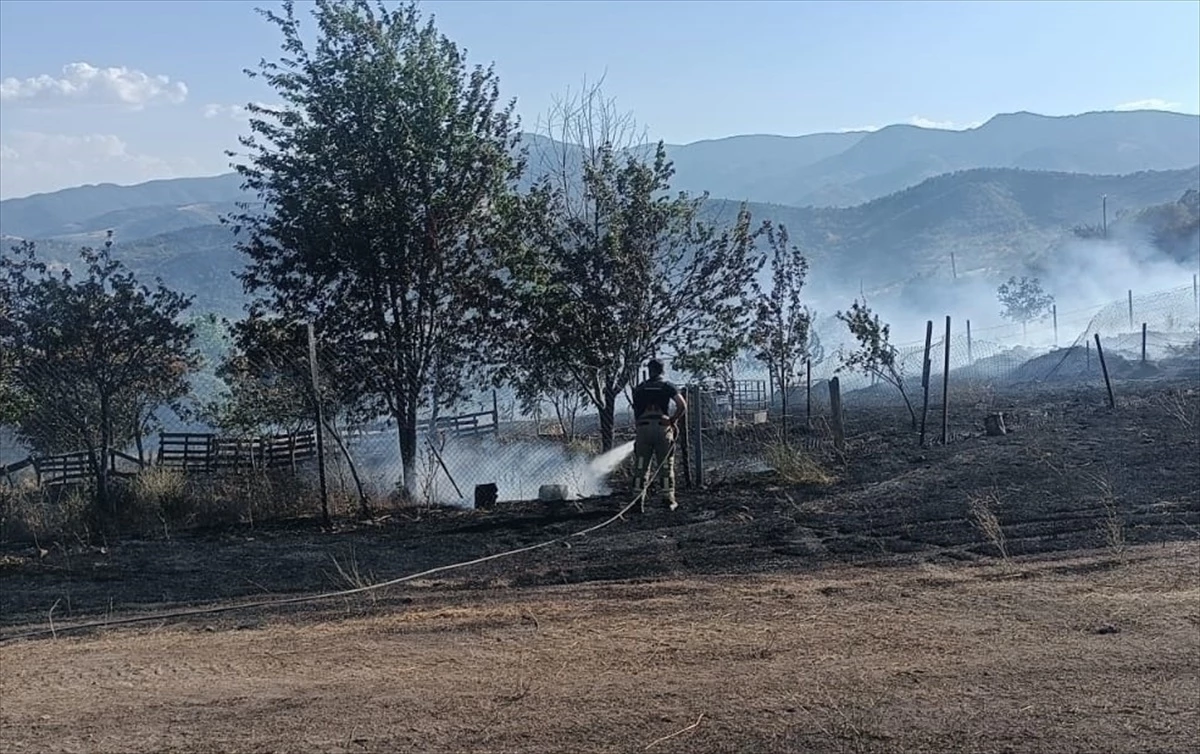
x=819, y=170
x=82, y=209
x=1106, y=143
x=199, y=261
x=991, y=219
x=756, y=168
x=1174, y=227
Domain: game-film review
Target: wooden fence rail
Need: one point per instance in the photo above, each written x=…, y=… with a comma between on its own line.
x=206, y=451
x=202, y=451
x=70, y=467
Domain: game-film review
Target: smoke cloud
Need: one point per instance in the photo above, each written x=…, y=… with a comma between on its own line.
x=517, y=468
x=1086, y=277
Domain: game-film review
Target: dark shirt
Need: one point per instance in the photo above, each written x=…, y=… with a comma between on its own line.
x=653, y=395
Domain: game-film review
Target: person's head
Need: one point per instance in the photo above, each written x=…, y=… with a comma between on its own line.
x=655, y=368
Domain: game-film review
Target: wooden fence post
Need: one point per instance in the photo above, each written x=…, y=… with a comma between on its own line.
x=316, y=388
x=1054, y=314
x=1112, y=403
x=496, y=414
x=970, y=355
x=835, y=410
x=683, y=437
x=808, y=393
x=926, y=366
x=698, y=436
x=1143, y=342
x=946, y=387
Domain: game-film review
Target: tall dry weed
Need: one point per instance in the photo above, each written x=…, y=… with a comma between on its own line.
x=983, y=515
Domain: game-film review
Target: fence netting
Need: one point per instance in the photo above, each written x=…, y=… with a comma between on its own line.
x=242, y=444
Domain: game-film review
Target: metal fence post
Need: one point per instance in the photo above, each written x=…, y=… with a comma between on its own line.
x=698, y=436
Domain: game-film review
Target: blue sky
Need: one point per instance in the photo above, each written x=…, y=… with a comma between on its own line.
x=153, y=85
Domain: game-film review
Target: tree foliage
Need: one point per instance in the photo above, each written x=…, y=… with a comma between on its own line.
x=875, y=354
x=783, y=336
x=384, y=176
x=269, y=379
x=628, y=272
x=268, y=376
x=1024, y=301
x=91, y=358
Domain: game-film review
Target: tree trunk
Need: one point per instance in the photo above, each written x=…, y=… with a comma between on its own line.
x=139, y=433
x=912, y=412
x=783, y=389
x=559, y=408
x=608, y=420
x=100, y=465
x=406, y=426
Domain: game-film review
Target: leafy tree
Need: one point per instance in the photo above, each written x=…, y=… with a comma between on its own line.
x=1024, y=301
x=384, y=176
x=782, y=334
x=269, y=378
x=875, y=354
x=572, y=134
x=625, y=272
x=93, y=358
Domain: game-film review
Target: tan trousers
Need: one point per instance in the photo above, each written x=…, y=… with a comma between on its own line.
x=652, y=450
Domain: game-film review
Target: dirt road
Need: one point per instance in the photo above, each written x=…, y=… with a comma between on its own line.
x=1096, y=653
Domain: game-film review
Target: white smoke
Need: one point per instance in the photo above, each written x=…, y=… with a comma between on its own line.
x=518, y=468
x=1086, y=277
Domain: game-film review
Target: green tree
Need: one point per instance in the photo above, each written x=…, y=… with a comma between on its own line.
x=782, y=334
x=624, y=272
x=93, y=358
x=875, y=354
x=1024, y=301
x=384, y=176
x=268, y=374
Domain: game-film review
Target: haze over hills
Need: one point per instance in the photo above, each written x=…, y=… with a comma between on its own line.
x=821, y=170
x=991, y=218
x=995, y=195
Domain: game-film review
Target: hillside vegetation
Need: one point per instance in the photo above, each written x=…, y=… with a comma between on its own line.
x=991, y=218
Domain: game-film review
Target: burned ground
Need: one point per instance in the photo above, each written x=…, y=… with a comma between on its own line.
x=1095, y=516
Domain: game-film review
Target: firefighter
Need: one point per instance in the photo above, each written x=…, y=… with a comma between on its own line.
x=656, y=432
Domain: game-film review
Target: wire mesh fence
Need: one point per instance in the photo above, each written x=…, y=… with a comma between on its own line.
x=251, y=440
x=1143, y=337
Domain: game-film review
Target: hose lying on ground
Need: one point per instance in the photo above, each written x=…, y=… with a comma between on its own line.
x=52, y=630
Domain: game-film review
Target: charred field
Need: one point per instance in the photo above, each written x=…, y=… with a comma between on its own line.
x=1032, y=591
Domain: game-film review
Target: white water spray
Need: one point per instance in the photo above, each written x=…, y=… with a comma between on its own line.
x=518, y=468
x=606, y=462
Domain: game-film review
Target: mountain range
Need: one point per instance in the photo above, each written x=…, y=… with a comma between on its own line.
x=874, y=206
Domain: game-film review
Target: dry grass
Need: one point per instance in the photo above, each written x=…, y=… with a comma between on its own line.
x=29, y=513
x=154, y=503
x=795, y=466
x=1112, y=527
x=1067, y=658
x=1183, y=405
x=983, y=516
